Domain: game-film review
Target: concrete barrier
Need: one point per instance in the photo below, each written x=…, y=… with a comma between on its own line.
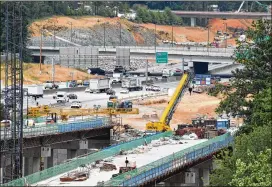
x=68, y=90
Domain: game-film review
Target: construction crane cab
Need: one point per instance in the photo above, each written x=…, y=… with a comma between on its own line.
x=163, y=124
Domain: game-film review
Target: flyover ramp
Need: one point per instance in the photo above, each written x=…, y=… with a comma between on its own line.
x=141, y=160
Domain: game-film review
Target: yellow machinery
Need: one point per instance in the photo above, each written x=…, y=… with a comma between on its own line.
x=65, y=113
x=163, y=124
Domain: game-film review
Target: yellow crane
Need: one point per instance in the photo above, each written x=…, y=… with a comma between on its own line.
x=163, y=123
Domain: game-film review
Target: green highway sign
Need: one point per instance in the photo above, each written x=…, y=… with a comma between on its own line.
x=161, y=57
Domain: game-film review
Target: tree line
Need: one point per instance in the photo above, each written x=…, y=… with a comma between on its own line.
x=165, y=17
x=249, y=96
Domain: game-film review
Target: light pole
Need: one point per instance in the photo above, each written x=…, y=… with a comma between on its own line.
x=208, y=43
x=172, y=35
x=41, y=51
x=104, y=35
x=226, y=41
x=155, y=39
x=146, y=73
x=120, y=33
x=71, y=24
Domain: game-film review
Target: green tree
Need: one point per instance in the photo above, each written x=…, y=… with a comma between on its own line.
x=257, y=172
x=255, y=77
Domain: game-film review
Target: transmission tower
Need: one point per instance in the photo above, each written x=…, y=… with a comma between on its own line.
x=11, y=135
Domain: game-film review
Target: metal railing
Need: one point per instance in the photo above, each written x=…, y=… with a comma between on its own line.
x=171, y=163
x=43, y=130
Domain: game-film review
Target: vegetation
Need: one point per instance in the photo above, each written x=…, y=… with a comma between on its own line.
x=165, y=18
x=249, y=95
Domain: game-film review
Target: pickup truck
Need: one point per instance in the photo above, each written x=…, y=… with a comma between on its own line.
x=76, y=104
x=50, y=85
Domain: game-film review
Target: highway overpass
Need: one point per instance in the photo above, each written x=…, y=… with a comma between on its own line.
x=199, y=54
x=226, y=15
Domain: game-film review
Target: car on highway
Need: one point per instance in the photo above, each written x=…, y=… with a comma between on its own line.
x=50, y=85
x=87, y=90
x=156, y=88
x=110, y=92
x=72, y=96
x=76, y=104
x=124, y=92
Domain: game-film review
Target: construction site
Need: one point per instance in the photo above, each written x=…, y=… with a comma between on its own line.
x=129, y=120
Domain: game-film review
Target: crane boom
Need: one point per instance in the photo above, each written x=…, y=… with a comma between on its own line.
x=163, y=124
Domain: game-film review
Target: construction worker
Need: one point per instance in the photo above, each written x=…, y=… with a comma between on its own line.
x=126, y=161
x=190, y=90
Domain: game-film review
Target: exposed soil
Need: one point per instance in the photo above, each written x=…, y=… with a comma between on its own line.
x=32, y=74
x=163, y=32
x=188, y=108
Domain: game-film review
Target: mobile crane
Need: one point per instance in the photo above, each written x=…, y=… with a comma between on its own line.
x=163, y=123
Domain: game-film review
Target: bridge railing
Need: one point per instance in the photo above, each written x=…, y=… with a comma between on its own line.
x=170, y=163
x=65, y=127
x=77, y=162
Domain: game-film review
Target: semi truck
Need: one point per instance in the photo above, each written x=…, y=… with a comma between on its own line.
x=132, y=84
x=99, y=85
x=35, y=91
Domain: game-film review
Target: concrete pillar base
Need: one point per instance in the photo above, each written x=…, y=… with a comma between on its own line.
x=193, y=22
x=71, y=153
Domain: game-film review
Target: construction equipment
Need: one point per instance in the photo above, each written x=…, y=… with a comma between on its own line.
x=116, y=109
x=163, y=124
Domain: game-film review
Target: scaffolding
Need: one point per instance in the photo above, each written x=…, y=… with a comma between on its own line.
x=11, y=135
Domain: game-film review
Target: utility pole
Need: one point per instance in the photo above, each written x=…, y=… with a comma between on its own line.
x=226, y=41
x=208, y=43
x=41, y=52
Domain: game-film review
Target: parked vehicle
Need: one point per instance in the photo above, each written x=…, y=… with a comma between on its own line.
x=113, y=97
x=72, y=96
x=50, y=85
x=132, y=84
x=76, y=104
x=99, y=85
x=35, y=91
x=124, y=92
x=61, y=97
x=87, y=90
x=110, y=92
x=86, y=83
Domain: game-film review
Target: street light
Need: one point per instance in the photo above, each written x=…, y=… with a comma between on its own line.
x=225, y=36
x=155, y=39
x=71, y=24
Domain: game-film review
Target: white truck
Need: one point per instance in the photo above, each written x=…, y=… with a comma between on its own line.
x=99, y=85
x=132, y=84
x=35, y=91
x=167, y=73
x=61, y=97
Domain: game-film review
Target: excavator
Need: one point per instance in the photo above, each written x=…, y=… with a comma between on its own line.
x=163, y=124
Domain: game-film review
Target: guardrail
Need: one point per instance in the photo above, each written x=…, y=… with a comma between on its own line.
x=171, y=163
x=99, y=122
x=77, y=162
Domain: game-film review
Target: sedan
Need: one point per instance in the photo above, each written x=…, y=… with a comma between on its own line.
x=124, y=92
x=72, y=96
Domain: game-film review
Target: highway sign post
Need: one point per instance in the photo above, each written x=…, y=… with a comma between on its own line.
x=161, y=57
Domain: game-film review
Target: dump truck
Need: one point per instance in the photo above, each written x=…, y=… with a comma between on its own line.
x=99, y=85
x=132, y=84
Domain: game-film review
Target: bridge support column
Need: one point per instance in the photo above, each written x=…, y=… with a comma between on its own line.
x=71, y=153
x=193, y=22
x=31, y=165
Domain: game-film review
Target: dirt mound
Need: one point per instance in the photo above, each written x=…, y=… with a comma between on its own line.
x=32, y=73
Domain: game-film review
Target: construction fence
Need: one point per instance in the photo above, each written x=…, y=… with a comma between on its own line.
x=171, y=163
x=77, y=162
